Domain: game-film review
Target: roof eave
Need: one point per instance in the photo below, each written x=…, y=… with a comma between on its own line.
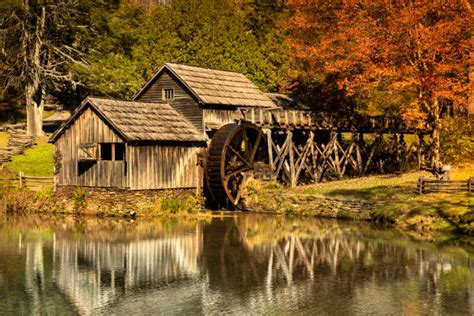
x=149, y=82
x=110, y=123
x=198, y=143
x=66, y=123
x=87, y=102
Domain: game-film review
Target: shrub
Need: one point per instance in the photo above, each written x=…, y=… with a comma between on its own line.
x=457, y=140
x=79, y=197
x=175, y=205
x=20, y=201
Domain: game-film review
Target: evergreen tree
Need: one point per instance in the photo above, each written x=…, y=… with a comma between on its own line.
x=39, y=41
x=208, y=33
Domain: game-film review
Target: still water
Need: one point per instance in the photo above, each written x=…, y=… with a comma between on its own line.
x=236, y=264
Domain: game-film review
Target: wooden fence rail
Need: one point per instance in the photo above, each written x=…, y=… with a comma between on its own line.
x=29, y=182
x=428, y=186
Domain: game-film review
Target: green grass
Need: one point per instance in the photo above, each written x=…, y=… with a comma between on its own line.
x=36, y=161
x=47, y=114
x=396, y=199
x=3, y=139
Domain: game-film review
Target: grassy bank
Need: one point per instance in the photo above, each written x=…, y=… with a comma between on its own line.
x=36, y=161
x=391, y=198
x=3, y=139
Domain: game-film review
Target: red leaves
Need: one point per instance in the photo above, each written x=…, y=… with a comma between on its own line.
x=408, y=46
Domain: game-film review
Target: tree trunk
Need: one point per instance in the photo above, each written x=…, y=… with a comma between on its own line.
x=34, y=90
x=435, y=137
x=34, y=110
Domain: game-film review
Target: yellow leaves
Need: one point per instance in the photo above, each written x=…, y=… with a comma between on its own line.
x=407, y=46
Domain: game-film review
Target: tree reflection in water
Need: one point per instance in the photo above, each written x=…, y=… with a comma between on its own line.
x=238, y=264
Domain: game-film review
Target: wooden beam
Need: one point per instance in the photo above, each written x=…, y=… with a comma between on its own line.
x=292, y=159
x=270, y=145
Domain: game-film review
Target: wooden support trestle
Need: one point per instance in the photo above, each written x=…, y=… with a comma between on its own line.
x=301, y=155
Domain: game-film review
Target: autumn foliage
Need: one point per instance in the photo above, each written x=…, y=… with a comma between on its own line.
x=414, y=51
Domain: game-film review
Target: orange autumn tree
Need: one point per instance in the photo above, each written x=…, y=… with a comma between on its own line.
x=416, y=48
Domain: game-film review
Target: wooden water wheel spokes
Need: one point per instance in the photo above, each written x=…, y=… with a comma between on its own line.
x=232, y=154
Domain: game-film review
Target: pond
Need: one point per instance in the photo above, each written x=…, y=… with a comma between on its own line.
x=233, y=264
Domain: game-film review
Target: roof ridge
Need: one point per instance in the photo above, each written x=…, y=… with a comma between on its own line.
x=129, y=101
x=206, y=68
x=140, y=121
x=213, y=86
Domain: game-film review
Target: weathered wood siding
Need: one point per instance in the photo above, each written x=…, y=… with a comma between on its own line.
x=214, y=118
x=88, y=128
x=163, y=167
x=183, y=102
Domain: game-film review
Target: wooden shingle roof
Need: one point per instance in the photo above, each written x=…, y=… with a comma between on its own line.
x=139, y=121
x=286, y=101
x=216, y=87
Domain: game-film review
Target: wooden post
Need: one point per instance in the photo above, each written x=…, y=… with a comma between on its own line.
x=292, y=160
x=301, y=162
x=20, y=179
x=420, y=185
x=337, y=162
x=469, y=185
x=200, y=173
x=268, y=132
x=359, y=140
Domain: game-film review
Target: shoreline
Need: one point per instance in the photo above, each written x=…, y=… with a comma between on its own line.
x=386, y=199
x=382, y=199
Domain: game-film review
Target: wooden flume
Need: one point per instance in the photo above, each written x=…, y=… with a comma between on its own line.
x=296, y=147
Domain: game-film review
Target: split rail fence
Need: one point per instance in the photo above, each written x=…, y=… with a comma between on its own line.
x=29, y=182
x=430, y=186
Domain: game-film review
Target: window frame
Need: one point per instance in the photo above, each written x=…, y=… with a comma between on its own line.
x=124, y=152
x=101, y=152
x=168, y=94
x=112, y=152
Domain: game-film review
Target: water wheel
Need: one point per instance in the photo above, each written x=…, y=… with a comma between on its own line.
x=233, y=153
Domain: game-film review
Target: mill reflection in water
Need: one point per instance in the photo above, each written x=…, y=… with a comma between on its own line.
x=238, y=264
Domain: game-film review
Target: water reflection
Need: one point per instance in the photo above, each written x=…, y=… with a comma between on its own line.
x=94, y=273
x=236, y=264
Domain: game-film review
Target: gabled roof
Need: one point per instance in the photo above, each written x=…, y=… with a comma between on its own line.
x=139, y=121
x=58, y=116
x=286, y=101
x=215, y=87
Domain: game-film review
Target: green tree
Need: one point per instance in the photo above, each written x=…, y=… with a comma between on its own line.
x=110, y=69
x=208, y=33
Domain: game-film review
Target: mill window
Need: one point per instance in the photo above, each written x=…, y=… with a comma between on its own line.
x=120, y=151
x=112, y=151
x=106, y=151
x=168, y=94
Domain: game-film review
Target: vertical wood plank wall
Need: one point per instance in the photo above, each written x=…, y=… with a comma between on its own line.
x=88, y=128
x=183, y=102
x=219, y=117
x=163, y=167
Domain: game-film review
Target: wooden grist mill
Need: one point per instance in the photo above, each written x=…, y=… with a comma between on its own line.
x=296, y=147
x=192, y=127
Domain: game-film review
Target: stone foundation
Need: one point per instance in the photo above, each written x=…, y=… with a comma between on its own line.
x=115, y=202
